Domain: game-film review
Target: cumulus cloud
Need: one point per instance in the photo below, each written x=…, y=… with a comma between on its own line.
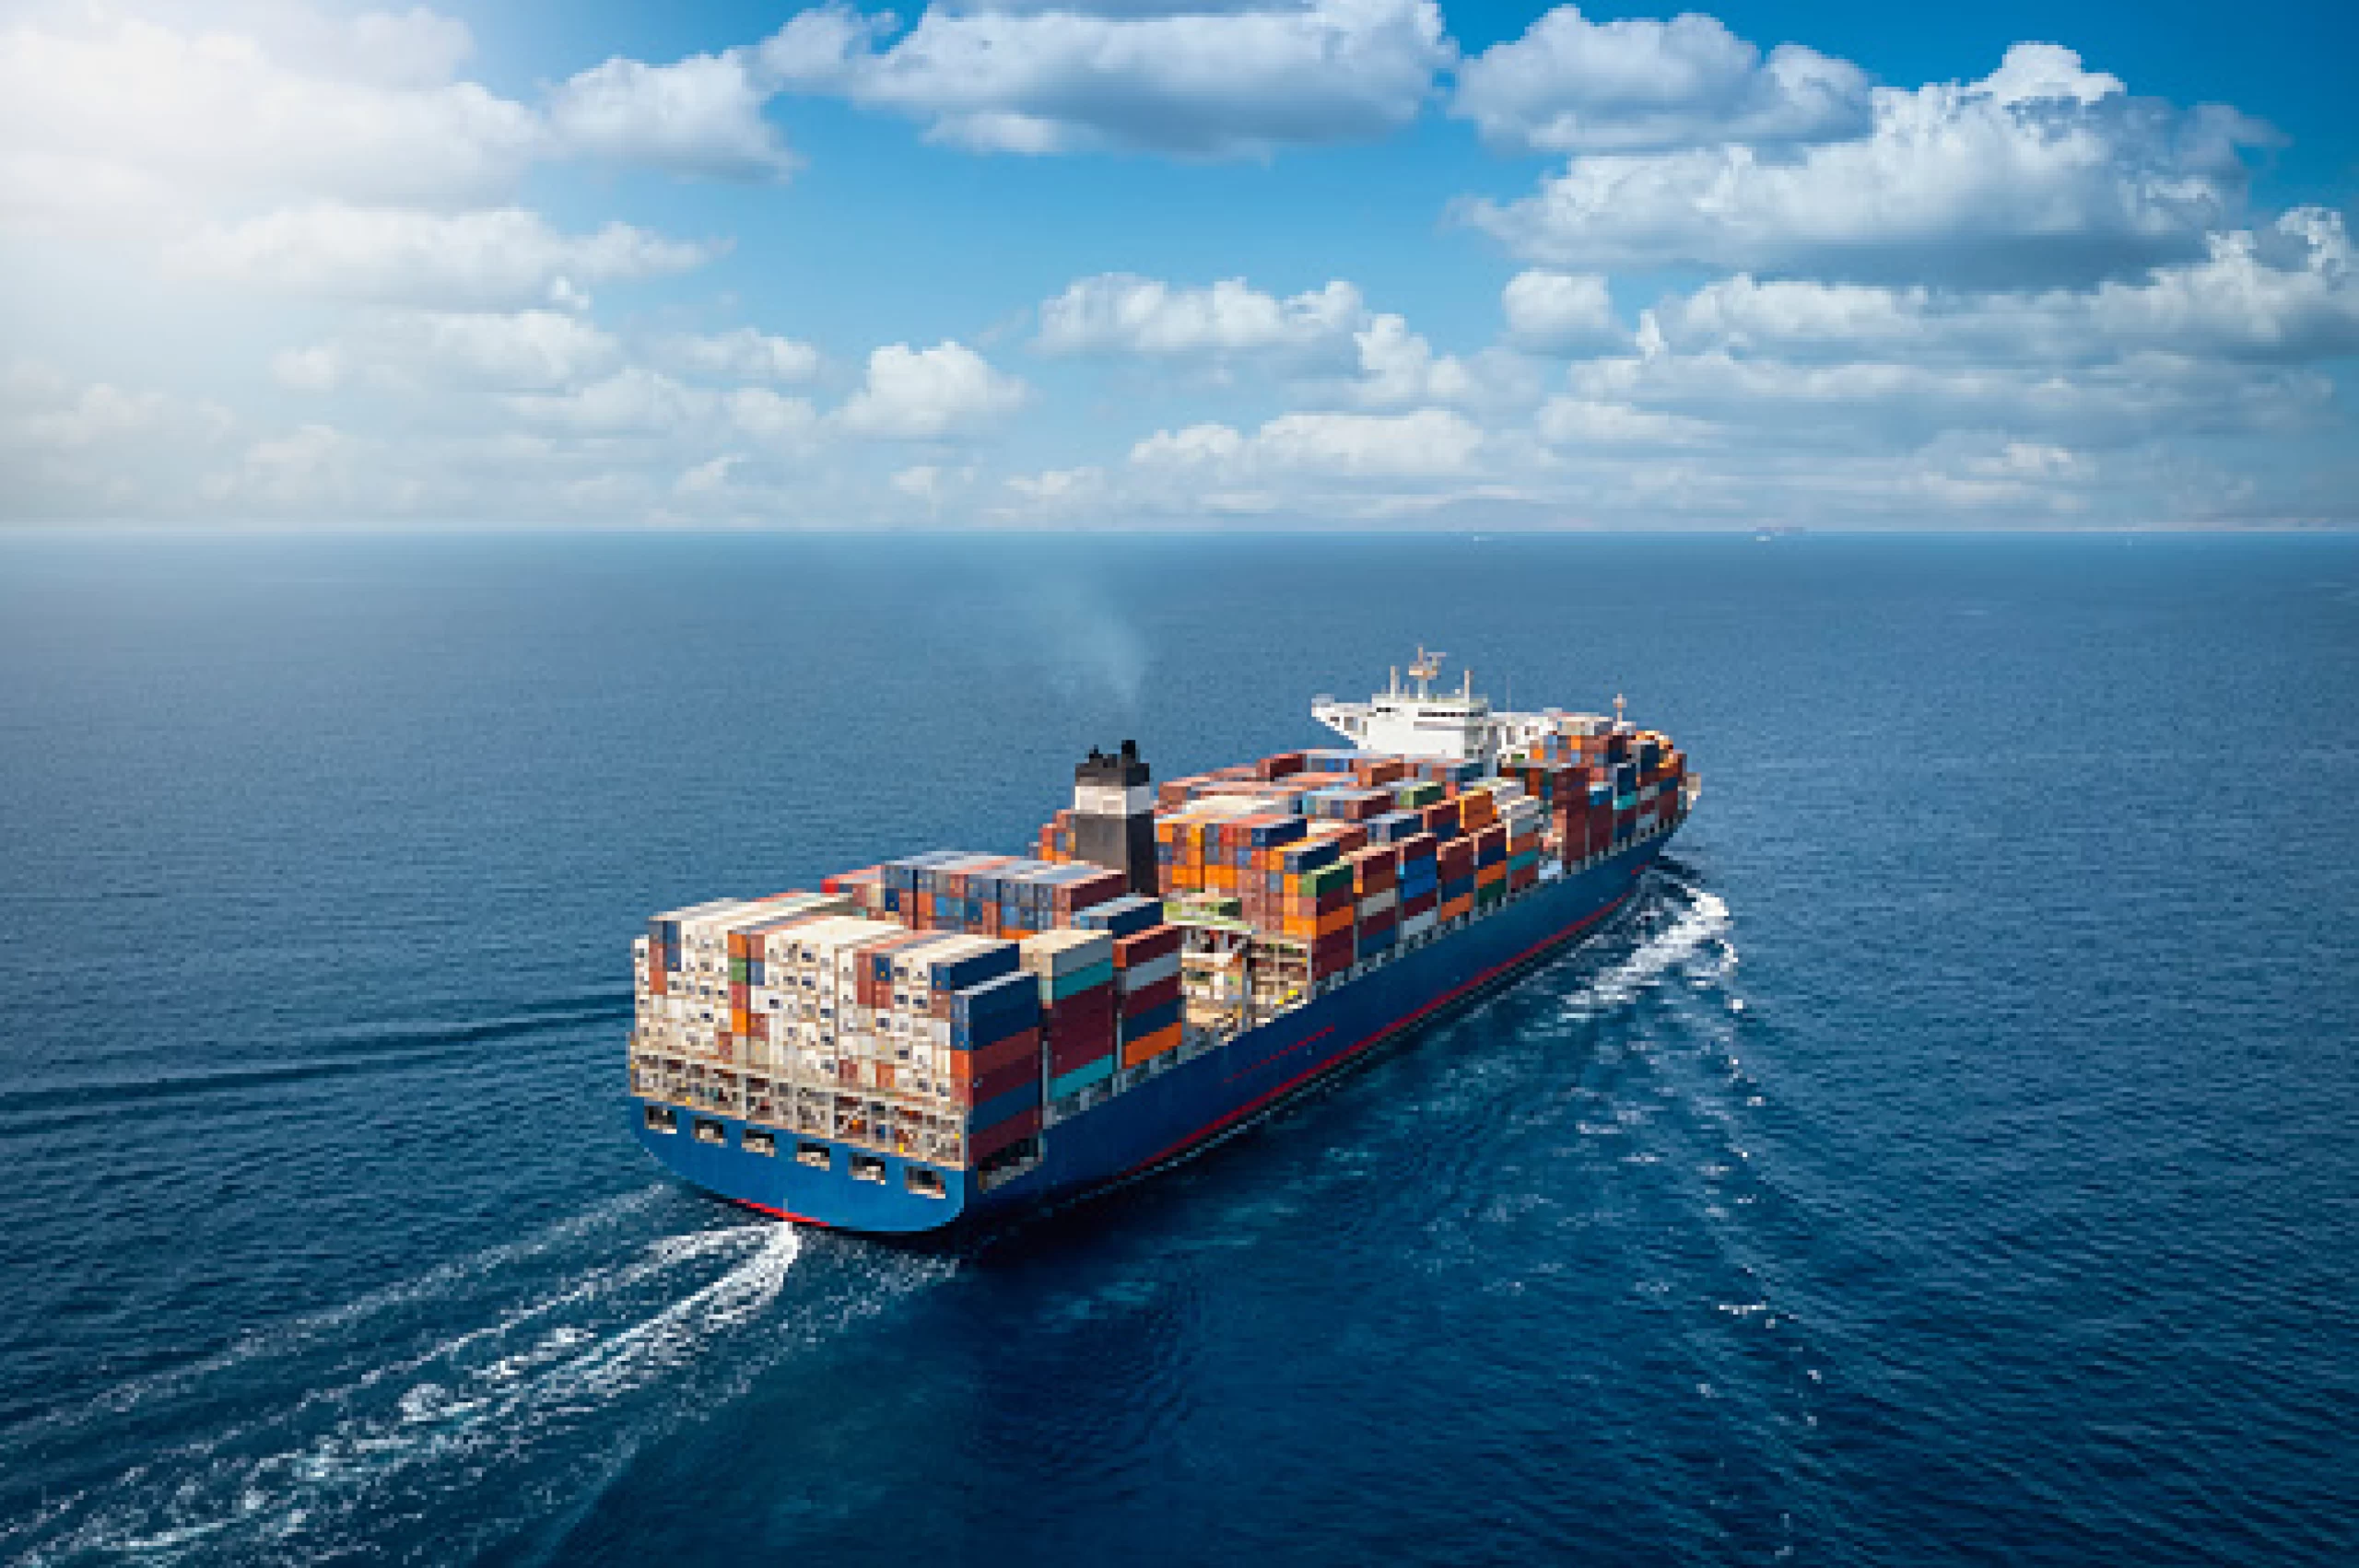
x=1120, y=313
x=314, y=468
x=2287, y=292
x=773, y=419
x=178, y=115
x=409, y=348
x=742, y=354
x=504, y=256
x=632, y=400
x=929, y=394
x=1202, y=83
x=1326, y=340
x=1554, y=313
x=1428, y=444
x=2041, y=172
x=1588, y=422
x=1571, y=85
x=169, y=116
x=701, y=115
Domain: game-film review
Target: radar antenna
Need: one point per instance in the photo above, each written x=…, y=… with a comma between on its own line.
x=1618, y=720
x=1427, y=666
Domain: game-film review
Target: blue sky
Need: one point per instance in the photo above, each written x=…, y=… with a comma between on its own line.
x=1126, y=263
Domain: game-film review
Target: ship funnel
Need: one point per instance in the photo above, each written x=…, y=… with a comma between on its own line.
x=1113, y=816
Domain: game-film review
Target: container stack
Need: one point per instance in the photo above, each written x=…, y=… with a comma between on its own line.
x=1455, y=865
x=995, y=1054
x=1420, y=884
x=685, y=997
x=1376, y=884
x=1075, y=973
x=1147, y=976
x=948, y=890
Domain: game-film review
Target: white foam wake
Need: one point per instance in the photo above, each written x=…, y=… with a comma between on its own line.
x=578, y=1367
x=1695, y=940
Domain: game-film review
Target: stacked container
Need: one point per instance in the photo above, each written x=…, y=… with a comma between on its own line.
x=1147, y=978
x=1376, y=883
x=995, y=1054
x=1075, y=973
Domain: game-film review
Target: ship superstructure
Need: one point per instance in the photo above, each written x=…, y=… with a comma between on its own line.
x=952, y=1036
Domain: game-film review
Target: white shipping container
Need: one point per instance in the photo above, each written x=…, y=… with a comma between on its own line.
x=1377, y=903
x=1141, y=975
x=1063, y=951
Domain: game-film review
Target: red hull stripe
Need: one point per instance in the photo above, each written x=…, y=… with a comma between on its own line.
x=1280, y=1056
x=779, y=1214
x=1392, y=1028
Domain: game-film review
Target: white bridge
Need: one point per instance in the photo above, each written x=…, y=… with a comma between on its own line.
x=1460, y=727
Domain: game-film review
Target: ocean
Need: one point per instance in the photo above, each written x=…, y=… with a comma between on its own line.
x=1948, y=1158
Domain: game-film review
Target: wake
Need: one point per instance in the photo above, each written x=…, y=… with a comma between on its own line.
x=476, y=1396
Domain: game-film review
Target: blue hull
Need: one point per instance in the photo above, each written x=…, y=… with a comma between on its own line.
x=1166, y=1117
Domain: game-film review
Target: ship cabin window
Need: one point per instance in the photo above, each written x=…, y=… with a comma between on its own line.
x=661, y=1119
x=759, y=1143
x=817, y=1155
x=710, y=1132
x=925, y=1182
x=868, y=1168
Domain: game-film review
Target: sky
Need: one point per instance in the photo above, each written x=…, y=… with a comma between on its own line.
x=1177, y=264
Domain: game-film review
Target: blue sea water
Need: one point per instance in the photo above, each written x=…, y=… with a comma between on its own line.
x=1949, y=1159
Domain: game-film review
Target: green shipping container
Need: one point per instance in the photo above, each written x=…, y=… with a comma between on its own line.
x=1326, y=880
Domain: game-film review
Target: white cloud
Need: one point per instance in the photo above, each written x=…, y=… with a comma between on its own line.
x=1428, y=444
x=741, y=353
x=505, y=256
x=131, y=105
x=778, y=421
x=1120, y=313
x=2288, y=292
x=929, y=394
x=311, y=468
x=413, y=348
x=701, y=115
x=1861, y=405
x=1399, y=368
x=1571, y=85
x=710, y=477
x=1554, y=313
x=2040, y=173
x=1210, y=83
x=1325, y=340
x=632, y=400
x=1583, y=421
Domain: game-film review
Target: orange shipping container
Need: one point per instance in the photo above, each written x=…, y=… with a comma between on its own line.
x=1153, y=1046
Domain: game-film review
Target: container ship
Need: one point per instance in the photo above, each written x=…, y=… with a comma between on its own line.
x=952, y=1039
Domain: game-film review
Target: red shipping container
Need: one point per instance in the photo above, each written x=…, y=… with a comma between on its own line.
x=1420, y=904
x=968, y=1066
x=1090, y=889
x=982, y=1145
x=1065, y=1056
x=1145, y=947
x=1001, y=1081
x=1080, y=1011
x=1153, y=997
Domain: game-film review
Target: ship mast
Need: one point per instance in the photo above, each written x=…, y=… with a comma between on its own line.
x=1427, y=666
